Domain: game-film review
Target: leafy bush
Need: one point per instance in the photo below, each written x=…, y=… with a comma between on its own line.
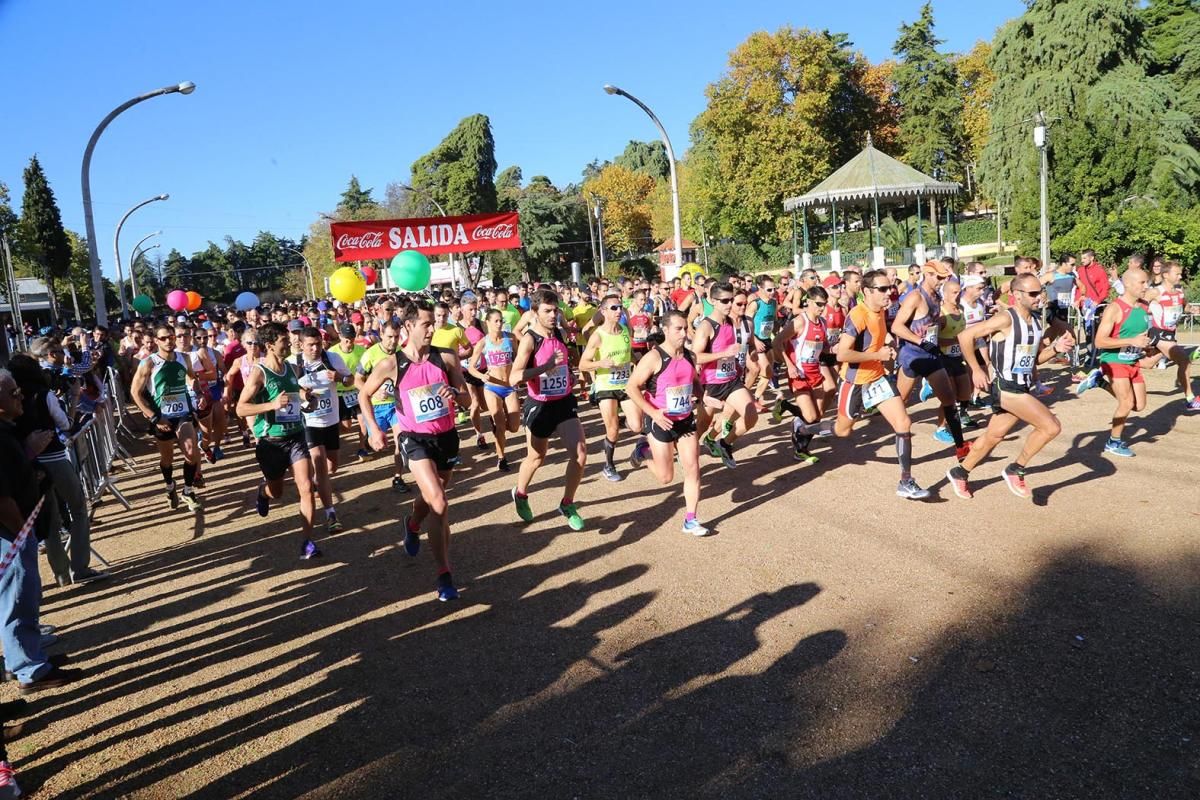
x=1143, y=229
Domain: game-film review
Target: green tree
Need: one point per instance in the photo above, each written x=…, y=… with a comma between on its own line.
x=460, y=172
x=79, y=274
x=356, y=202
x=927, y=88
x=791, y=107
x=1173, y=35
x=176, y=271
x=212, y=274
x=508, y=189
x=648, y=158
x=44, y=237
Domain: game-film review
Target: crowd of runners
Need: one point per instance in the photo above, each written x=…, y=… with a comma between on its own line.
x=677, y=370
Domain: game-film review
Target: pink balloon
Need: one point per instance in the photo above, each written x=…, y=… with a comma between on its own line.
x=177, y=300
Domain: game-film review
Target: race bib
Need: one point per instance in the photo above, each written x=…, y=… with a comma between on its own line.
x=679, y=400
x=810, y=352
x=554, y=382
x=323, y=406
x=765, y=326
x=1130, y=354
x=726, y=368
x=351, y=397
x=498, y=358
x=930, y=334
x=1170, y=317
x=954, y=350
x=876, y=392
x=427, y=404
x=174, y=406
x=387, y=392
x=832, y=335
x=290, y=412
x=1063, y=299
x=1024, y=360
x=619, y=376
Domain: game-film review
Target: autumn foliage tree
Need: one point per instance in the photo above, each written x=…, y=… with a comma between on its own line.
x=624, y=197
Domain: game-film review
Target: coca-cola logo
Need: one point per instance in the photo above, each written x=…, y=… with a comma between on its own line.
x=362, y=240
x=504, y=230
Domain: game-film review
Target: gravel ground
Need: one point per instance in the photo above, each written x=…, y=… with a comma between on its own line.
x=830, y=641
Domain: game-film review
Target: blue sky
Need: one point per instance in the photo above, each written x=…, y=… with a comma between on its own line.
x=292, y=98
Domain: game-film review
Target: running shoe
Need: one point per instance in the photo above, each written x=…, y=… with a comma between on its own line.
x=714, y=449
x=958, y=482
x=1014, y=477
x=209, y=456
x=309, y=550
x=523, y=509
x=727, y=455
x=191, y=501
x=199, y=480
x=908, y=489
x=218, y=454
x=575, y=521
x=1041, y=390
x=480, y=443
x=610, y=473
x=245, y=438
x=445, y=588
x=412, y=541
x=399, y=485
x=804, y=457
x=8, y=781
x=967, y=421
x=943, y=436
x=363, y=452
x=640, y=452
x=172, y=496
x=1193, y=404
x=1196, y=354
x=261, y=504
x=694, y=527
x=1118, y=447
x=332, y=524
x=1089, y=381
x=777, y=411
x=926, y=391
x=460, y=418
x=961, y=452
x=503, y=466
x=726, y=429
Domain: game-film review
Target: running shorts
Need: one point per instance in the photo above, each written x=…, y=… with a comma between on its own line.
x=347, y=411
x=850, y=397
x=169, y=436
x=328, y=438
x=918, y=363
x=542, y=418
x=609, y=394
x=1131, y=372
x=721, y=391
x=1160, y=335
x=679, y=428
x=385, y=416
x=275, y=456
x=441, y=448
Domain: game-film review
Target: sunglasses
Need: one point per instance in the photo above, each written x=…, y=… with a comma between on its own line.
x=1030, y=292
x=722, y=299
x=613, y=308
x=165, y=338
x=880, y=288
x=820, y=305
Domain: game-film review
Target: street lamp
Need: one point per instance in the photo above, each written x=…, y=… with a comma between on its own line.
x=187, y=87
x=137, y=251
x=429, y=196
x=312, y=289
x=608, y=87
x=117, y=252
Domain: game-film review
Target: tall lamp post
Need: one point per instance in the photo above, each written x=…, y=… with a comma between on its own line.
x=442, y=211
x=117, y=251
x=133, y=254
x=674, y=177
x=312, y=290
x=187, y=87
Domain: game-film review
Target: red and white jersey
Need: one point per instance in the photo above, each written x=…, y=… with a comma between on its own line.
x=1166, y=309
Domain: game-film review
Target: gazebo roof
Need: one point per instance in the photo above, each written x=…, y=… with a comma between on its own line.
x=871, y=174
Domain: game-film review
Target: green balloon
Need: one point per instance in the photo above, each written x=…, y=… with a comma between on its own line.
x=143, y=304
x=410, y=271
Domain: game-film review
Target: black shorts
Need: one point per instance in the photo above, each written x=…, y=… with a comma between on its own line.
x=766, y=341
x=347, y=411
x=721, y=391
x=441, y=449
x=1160, y=335
x=828, y=360
x=328, y=438
x=918, y=362
x=542, y=418
x=1058, y=312
x=679, y=428
x=275, y=456
x=169, y=436
x=608, y=394
x=955, y=365
x=850, y=397
x=999, y=385
x=471, y=380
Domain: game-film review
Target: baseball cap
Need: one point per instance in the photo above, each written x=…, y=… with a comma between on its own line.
x=937, y=268
x=306, y=321
x=971, y=280
x=208, y=326
x=356, y=318
x=831, y=281
x=295, y=325
x=347, y=330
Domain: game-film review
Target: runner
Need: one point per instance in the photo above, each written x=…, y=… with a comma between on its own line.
x=799, y=346
x=952, y=322
x=609, y=354
x=236, y=373
x=350, y=352
x=426, y=385
x=382, y=406
x=763, y=311
x=916, y=328
x=489, y=364
x=274, y=397
x=1165, y=311
x=1017, y=346
x=865, y=384
x=323, y=373
x=1122, y=336
x=213, y=380
x=716, y=349
x=474, y=331
x=160, y=390
x=550, y=408
x=663, y=386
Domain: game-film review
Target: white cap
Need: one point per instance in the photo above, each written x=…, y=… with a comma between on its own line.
x=971, y=280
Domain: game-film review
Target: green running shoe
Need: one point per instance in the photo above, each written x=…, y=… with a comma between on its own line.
x=572, y=514
x=523, y=509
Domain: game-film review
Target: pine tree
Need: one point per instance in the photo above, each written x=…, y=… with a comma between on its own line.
x=927, y=87
x=44, y=236
x=460, y=173
x=355, y=200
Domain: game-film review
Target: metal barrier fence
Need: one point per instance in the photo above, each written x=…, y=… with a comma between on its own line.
x=95, y=447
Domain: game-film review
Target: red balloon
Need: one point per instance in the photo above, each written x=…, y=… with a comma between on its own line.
x=193, y=301
x=369, y=275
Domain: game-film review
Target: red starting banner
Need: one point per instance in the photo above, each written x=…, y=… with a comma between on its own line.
x=384, y=238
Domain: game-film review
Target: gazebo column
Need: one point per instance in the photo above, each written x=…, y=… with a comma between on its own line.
x=919, y=250
x=807, y=260
x=877, y=252
x=835, y=255
x=951, y=234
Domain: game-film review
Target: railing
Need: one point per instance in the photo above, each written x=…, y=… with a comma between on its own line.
x=95, y=447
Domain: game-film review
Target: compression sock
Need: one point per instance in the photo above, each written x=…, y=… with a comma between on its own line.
x=166, y=470
x=189, y=474
x=609, y=447
x=904, y=454
x=954, y=424
x=791, y=408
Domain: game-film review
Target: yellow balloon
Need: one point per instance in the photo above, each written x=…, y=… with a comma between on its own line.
x=692, y=269
x=347, y=285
